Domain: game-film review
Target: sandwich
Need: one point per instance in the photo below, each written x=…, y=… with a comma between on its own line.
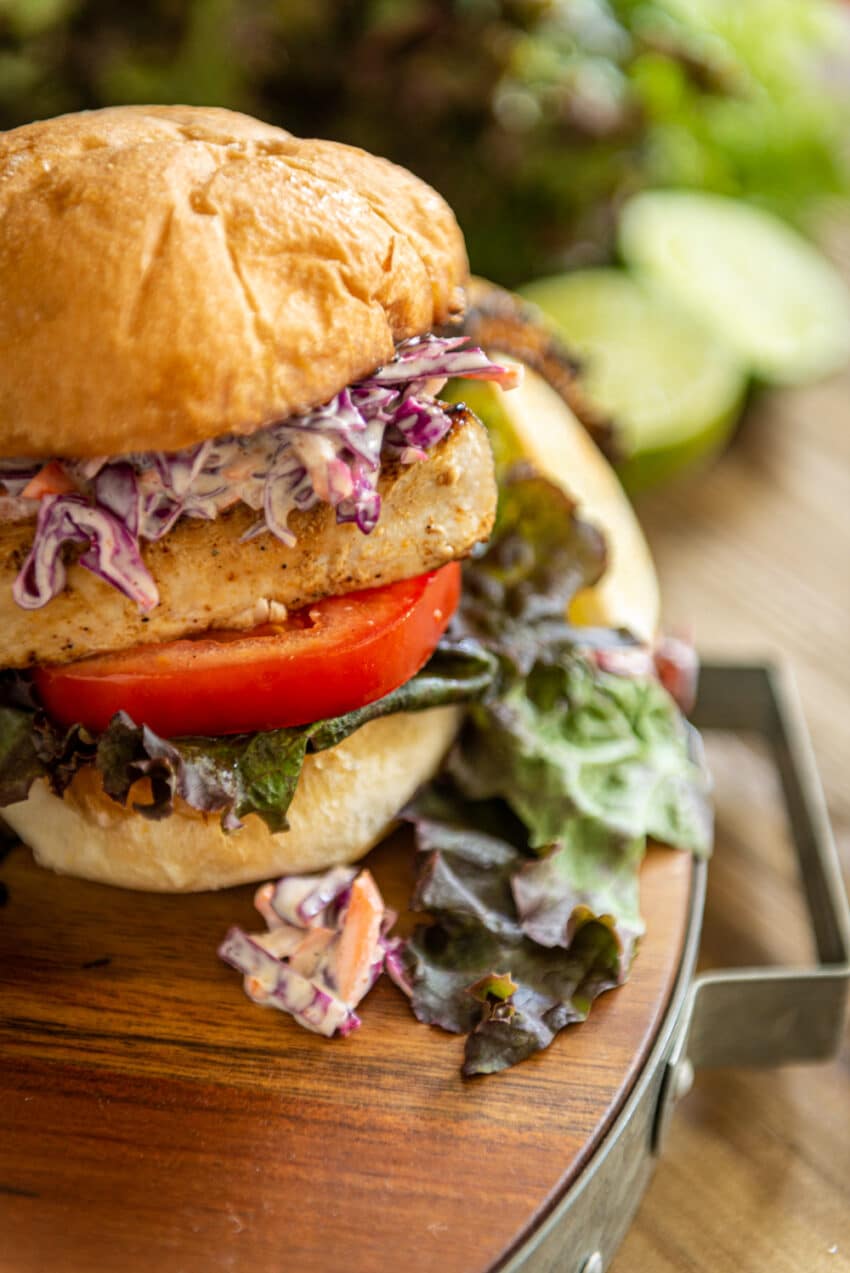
x=236, y=638
x=218, y=379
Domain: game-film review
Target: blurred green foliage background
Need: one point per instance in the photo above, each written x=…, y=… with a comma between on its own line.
x=537, y=116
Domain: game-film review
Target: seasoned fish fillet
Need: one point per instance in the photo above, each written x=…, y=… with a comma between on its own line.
x=434, y=510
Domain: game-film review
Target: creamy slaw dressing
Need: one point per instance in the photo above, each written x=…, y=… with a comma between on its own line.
x=310, y=963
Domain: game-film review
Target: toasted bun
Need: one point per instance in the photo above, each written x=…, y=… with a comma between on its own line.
x=346, y=800
x=170, y=274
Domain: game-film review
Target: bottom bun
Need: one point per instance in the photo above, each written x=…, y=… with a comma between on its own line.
x=347, y=798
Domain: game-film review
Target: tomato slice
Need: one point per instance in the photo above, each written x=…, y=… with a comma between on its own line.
x=329, y=658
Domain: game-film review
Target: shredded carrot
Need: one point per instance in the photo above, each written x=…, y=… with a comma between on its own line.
x=358, y=942
x=255, y=988
x=263, y=903
x=49, y=480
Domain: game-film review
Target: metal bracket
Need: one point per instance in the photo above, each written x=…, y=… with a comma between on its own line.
x=769, y=1016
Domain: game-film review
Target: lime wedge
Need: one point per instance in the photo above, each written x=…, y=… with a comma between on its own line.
x=532, y=422
x=674, y=390
x=770, y=294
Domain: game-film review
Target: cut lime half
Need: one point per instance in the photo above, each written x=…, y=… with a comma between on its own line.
x=673, y=388
x=763, y=288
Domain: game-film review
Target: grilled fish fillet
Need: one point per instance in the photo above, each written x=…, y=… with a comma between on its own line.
x=434, y=510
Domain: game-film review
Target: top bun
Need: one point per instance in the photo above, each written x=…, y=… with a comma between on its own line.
x=171, y=274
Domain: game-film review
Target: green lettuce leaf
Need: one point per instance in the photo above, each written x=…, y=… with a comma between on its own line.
x=32, y=747
x=592, y=874
x=553, y=988
x=569, y=741
x=251, y=773
x=477, y=969
x=19, y=760
x=469, y=863
x=533, y=839
x=562, y=927
x=459, y=670
x=515, y=596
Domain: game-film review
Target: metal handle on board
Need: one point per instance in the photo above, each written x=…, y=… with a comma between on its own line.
x=769, y=1016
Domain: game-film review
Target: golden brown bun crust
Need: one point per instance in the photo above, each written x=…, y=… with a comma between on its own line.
x=346, y=800
x=170, y=274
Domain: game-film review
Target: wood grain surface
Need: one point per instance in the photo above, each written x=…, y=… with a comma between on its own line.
x=755, y=554
x=151, y=1117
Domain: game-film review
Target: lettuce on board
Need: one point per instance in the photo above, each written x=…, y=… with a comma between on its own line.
x=532, y=841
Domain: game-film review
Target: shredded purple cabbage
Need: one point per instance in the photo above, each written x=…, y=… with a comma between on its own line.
x=395, y=965
x=332, y=454
x=307, y=901
x=112, y=552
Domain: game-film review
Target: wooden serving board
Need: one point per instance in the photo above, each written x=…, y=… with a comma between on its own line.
x=151, y=1117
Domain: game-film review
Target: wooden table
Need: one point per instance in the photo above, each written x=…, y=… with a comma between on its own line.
x=755, y=554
